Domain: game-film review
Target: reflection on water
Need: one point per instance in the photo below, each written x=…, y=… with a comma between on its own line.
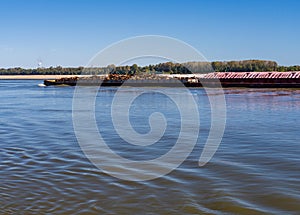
x=255, y=171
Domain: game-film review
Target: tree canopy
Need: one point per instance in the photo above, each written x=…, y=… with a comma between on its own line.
x=167, y=67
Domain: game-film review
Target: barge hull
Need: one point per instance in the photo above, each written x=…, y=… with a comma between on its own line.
x=205, y=83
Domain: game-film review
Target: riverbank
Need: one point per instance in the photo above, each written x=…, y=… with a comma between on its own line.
x=53, y=77
x=33, y=77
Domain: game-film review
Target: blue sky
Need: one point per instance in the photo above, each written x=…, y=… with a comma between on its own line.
x=70, y=32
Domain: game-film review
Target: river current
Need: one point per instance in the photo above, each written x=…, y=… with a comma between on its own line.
x=256, y=169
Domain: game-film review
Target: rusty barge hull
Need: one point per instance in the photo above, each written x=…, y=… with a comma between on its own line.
x=254, y=83
x=125, y=84
x=201, y=83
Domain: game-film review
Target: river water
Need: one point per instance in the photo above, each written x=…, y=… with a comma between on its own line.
x=256, y=169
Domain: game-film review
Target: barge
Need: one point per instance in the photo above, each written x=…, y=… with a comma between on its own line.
x=226, y=79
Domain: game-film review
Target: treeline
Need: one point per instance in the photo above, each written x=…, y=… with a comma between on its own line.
x=167, y=67
x=251, y=66
x=245, y=66
x=288, y=68
x=42, y=71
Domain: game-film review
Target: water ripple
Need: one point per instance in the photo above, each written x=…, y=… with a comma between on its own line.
x=43, y=170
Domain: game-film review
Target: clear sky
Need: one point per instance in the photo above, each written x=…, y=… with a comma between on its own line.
x=70, y=32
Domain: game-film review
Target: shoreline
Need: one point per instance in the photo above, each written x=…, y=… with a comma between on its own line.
x=53, y=77
x=34, y=77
